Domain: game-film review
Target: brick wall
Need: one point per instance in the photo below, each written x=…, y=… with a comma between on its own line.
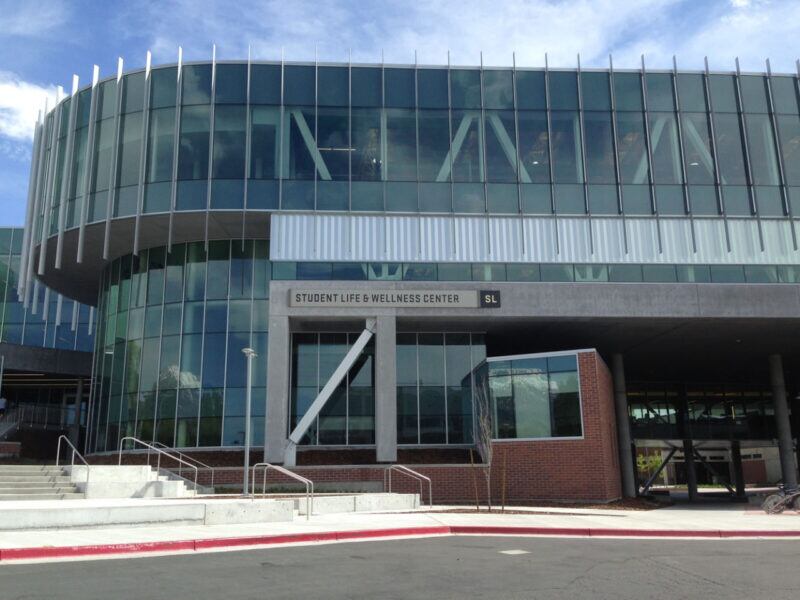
x=568, y=469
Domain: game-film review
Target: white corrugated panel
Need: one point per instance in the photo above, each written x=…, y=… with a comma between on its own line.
x=676, y=240
x=573, y=240
x=642, y=241
x=608, y=240
x=308, y=237
x=778, y=242
x=711, y=244
x=540, y=239
x=505, y=239
x=745, y=242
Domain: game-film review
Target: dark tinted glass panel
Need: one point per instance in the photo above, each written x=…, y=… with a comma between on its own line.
x=531, y=90
x=366, y=86
x=723, y=93
x=196, y=84
x=106, y=99
x=569, y=199
x=727, y=128
x=670, y=199
x=468, y=198
x=595, y=91
x=703, y=200
x=163, y=84
x=502, y=198
x=399, y=88
x=434, y=145
x=365, y=152
x=557, y=272
x=536, y=199
x=636, y=200
x=769, y=201
x=297, y=160
x=194, y=142
x=563, y=90
x=467, y=155
x=784, y=94
x=666, y=148
x=264, y=155
x=599, y=147
x=736, y=199
x=401, y=146
x=160, y=145
x=465, y=88
x=498, y=89
x=697, y=144
x=762, y=152
x=130, y=135
x=299, y=85
x=333, y=142
x=628, y=91
x=534, y=152
x=432, y=88
x=133, y=92
x=566, y=147
x=691, y=92
x=231, y=84
x=754, y=93
x=265, y=84
x=229, y=142
x=660, y=94
x=603, y=200
x=435, y=197
x=333, y=86
x=632, y=148
x=789, y=128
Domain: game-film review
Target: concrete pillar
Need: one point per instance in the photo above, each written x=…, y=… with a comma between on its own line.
x=276, y=426
x=626, y=462
x=386, y=390
x=691, y=474
x=736, y=468
x=75, y=429
x=782, y=424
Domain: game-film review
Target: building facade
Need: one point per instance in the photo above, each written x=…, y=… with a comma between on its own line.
x=381, y=234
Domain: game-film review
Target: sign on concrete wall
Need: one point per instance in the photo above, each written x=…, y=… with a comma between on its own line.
x=390, y=298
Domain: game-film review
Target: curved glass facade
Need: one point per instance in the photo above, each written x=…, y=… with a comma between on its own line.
x=302, y=137
x=168, y=363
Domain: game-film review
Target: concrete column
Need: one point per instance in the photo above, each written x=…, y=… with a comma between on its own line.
x=276, y=427
x=626, y=463
x=782, y=424
x=75, y=430
x=736, y=468
x=386, y=390
x=691, y=474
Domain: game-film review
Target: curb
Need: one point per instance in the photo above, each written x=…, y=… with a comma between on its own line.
x=44, y=552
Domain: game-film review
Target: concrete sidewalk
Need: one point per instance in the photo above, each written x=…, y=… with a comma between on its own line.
x=724, y=521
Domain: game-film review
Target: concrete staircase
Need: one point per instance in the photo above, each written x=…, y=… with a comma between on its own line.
x=36, y=482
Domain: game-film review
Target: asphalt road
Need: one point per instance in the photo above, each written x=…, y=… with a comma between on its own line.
x=448, y=567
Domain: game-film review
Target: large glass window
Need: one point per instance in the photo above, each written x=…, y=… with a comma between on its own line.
x=762, y=153
x=566, y=147
x=698, y=159
x=730, y=149
x=599, y=147
x=666, y=148
x=632, y=148
x=434, y=146
x=534, y=397
x=789, y=129
x=534, y=151
x=501, y=154
x=401, y=146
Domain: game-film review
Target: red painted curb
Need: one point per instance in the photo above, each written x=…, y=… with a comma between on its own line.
x=9, y=554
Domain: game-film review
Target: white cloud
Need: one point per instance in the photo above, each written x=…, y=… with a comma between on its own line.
x=20, y=103
x=32, y=19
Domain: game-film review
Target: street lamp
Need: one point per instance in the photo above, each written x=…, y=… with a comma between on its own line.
x=250, y=354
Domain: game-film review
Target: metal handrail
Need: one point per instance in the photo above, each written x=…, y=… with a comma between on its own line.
x=403, y=470
x=307, y=482
x=188, y=458
x=160, y=452
x=75, y=453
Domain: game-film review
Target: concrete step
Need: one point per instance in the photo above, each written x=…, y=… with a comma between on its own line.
x=29, y=467
x=33, y=472
x=33, y=477
x=50, y=496
x=40, y=490
x=18, y=485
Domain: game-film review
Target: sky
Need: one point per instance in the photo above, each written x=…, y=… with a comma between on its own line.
x=43, y=43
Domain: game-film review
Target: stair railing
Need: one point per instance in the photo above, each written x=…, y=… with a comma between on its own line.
x=159, y=452
x=403, y=470
x=188, y=458
x=75, y=454
x=306, y=482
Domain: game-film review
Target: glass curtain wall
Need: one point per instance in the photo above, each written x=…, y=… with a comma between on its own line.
x=169, y=362
x=42, y=324
x=399, y=139
x=435, y=387
x=348, y=418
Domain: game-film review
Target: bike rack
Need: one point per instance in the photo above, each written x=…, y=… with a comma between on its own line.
x=403, y=470
x=307, y=482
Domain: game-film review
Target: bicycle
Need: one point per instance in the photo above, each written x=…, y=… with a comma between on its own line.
x=781, y=500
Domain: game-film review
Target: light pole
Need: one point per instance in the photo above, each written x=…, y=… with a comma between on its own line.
x=250, y=354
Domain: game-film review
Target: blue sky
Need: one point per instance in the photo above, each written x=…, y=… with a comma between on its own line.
x=43, y=43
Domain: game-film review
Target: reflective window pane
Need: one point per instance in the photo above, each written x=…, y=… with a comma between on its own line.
x=628, y=91
x=366, y=145
x=265, y=84
x=730, y=149
x=433, y=91
x=599, y=147
x=595, y=90
x=660, y=95
x=230, y=84
x=762, y=153
x=691, y=92
x=789, y=128
x=666, y=149
x=723, y=93
x=784, y=94
x=194, y=142
x=697, y=145
x=465, y=88
x=299, y=86
x=401, y=145
x=632, y=148
x=563, y=90
x=534, y=152
x=566, y=147
x=196, y=84
x=399, y=88
x=366, y=86
x=531, y=90
x=434, y=145
x=754, y=93
x=498, y=89
x=333, y=86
